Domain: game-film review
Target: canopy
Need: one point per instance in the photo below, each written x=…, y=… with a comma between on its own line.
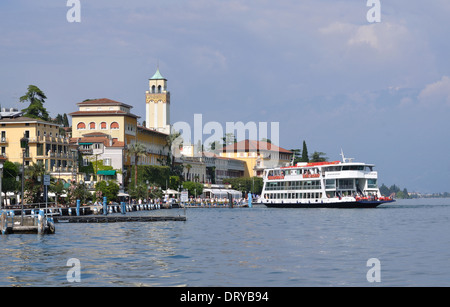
x=170, y=191
x=223, y=193
x=107, y=173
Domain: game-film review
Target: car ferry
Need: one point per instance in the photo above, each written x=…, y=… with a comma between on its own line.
x=336, y=184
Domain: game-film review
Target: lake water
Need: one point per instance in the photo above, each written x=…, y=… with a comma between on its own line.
x=243, y=247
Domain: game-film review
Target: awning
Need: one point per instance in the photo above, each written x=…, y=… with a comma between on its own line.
x=224, y=192
x=170, y=191
x=107, y=173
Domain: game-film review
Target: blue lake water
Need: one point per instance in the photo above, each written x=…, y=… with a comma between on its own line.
x=243, y=247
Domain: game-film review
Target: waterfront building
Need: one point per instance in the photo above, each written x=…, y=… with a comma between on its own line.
x=208, y=166
x=257, y=155
x=103, y=129
x=46, y=144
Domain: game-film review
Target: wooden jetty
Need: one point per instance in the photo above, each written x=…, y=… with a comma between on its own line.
x=115, y=218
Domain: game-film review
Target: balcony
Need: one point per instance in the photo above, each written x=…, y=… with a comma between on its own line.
x=60, y=140
x=86, y=151
x=3, y=140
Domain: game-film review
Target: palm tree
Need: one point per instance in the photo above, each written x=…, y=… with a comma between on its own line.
x=171, y=140
x=188, y=167
x=136, y=150
x=34, y=183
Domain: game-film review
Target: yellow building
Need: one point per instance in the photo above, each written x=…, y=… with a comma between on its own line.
x=257, y=155
x=101, y=127
x=107, y=116
x=45, y=144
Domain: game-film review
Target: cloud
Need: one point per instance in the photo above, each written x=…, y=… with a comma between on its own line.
x=437, y=93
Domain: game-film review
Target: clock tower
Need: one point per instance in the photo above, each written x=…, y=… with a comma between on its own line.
x=157, y=100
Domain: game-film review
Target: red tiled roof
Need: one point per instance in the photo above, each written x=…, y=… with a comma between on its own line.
x=103, y=101
x=251, y=146
x=106, y=113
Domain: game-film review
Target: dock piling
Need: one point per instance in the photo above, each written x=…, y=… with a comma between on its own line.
x=78, y=207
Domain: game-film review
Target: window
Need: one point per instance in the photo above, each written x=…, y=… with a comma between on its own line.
x=92, y=125
x=371, y=183
x=103, y=126
x=114, y=125
x=81, y=126
x=330, y=184
x=107, y=162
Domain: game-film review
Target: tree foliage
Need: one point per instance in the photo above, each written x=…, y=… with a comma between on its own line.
x=110, y=189
x=254, y=184
x=36, y=108
x=194, y=188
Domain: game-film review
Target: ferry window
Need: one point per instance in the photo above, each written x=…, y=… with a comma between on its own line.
x=330, y=184
x=372, y=183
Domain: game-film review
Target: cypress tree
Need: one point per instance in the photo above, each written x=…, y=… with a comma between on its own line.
x=305, y=157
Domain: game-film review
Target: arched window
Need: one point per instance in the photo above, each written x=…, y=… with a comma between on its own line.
x=81, y=126
x=114, y=125
x=103, y=126
x=159, y=88
x=153, y=89
x=92, y=125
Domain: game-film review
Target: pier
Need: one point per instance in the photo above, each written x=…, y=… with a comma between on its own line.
x=115, y=219
x=35, y=224
x=41, y=221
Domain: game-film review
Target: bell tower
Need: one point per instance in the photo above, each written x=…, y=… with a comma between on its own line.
x=157, y=99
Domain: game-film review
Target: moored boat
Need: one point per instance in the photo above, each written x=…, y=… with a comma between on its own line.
x=336, y=184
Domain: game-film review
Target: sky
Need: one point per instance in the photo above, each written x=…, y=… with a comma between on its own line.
x=380, y=91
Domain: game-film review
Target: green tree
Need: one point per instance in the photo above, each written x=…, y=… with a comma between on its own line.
x=384, y=190
x=36, y=98
x=78, y=191
x=136, y=150
x=34, y=185
x=139, y=191
x=254, y=184
x=9, y=182
x=305, y=157
x=194, y=188
x=57, y=187
x=188, y=167
x=110, y=189
x=318, y=157
x=172, y=140
x=174, y=182
x=66, y=120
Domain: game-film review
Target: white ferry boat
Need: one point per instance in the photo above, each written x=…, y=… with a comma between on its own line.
x=336, y=184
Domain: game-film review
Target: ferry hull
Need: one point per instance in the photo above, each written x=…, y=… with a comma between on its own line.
x=337, y=205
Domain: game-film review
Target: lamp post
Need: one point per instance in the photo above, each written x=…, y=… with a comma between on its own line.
x=24, y=146
x=2, y=160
